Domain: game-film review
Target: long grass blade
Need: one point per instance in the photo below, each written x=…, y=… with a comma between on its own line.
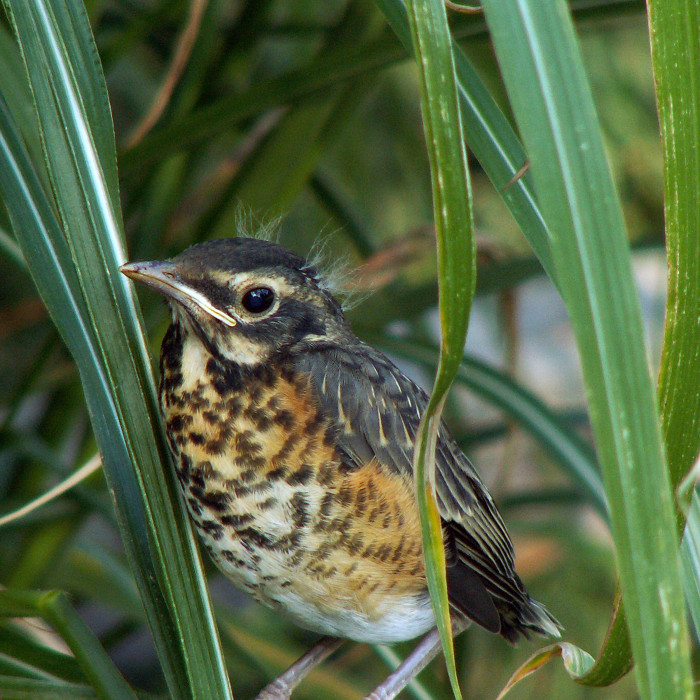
x=456, y=271
x=677, y=73
x=675, y=44
x=543, y=70
x=102, y=325
x=675, y=51
x=37, y=659
x=13, y=688
x=54, y=607
x=75, y=478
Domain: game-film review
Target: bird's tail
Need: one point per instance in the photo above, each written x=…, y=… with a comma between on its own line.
x=520, y=618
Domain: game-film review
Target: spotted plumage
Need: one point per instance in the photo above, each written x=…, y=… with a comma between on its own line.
x=293, y=443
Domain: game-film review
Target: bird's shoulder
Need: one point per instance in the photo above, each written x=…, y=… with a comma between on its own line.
x=379, y=409
x=376, y=407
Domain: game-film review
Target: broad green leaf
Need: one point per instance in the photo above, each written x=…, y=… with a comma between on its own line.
x=543, y=71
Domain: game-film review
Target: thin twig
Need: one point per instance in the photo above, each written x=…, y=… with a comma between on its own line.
x=93, y=464
x=464, y=9
x=281, y=688
x=177, y=67
x=521, y=171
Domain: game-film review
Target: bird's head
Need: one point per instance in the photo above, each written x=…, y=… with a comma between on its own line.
x=244, y=298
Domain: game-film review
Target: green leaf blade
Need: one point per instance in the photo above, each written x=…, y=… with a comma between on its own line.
x=53, y=606
x=675, y=44
x=675, y=52
x=69, y=91
x=542, y=66
x=456, y=272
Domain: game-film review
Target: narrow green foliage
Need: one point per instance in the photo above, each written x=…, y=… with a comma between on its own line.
x=34, y=657
x=675, y=52
x=14, y=688
x=677, y=73
x=54, y=607
x=543, y=71
x=95, y=309
x=456, y=272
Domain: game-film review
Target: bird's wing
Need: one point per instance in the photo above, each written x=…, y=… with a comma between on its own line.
x=378, y=410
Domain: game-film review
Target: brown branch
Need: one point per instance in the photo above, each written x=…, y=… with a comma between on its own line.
x=177, y=67
x=463, y=9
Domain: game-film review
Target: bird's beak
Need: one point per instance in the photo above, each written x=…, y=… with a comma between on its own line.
x=164, y=277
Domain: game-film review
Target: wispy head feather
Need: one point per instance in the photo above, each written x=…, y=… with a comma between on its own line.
x=248, y=225
x=333, y=274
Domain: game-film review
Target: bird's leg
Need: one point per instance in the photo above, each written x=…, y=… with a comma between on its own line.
x=281, y=688
x=414, y=663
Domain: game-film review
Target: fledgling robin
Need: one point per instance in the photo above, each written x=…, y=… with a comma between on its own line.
x=293, y=442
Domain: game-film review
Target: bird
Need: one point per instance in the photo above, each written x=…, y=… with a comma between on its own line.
x=293, y=444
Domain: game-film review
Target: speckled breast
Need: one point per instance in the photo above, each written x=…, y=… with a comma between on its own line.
x=335, y=547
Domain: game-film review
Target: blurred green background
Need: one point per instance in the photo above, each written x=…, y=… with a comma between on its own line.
x=308, y=113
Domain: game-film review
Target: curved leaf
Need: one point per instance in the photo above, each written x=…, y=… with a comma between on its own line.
x=432, y=45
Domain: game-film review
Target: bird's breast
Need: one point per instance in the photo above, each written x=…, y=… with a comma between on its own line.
x=278, y=508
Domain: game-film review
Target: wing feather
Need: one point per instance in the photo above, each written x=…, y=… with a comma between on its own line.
x=378, y=410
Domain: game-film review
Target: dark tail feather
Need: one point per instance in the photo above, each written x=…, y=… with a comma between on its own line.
x=469, y=595
x=519, y=619
x=513, y=617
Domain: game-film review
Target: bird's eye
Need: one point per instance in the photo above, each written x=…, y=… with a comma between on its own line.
x=258, y=300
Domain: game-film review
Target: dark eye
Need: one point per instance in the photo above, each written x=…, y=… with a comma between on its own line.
x=258, y=300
